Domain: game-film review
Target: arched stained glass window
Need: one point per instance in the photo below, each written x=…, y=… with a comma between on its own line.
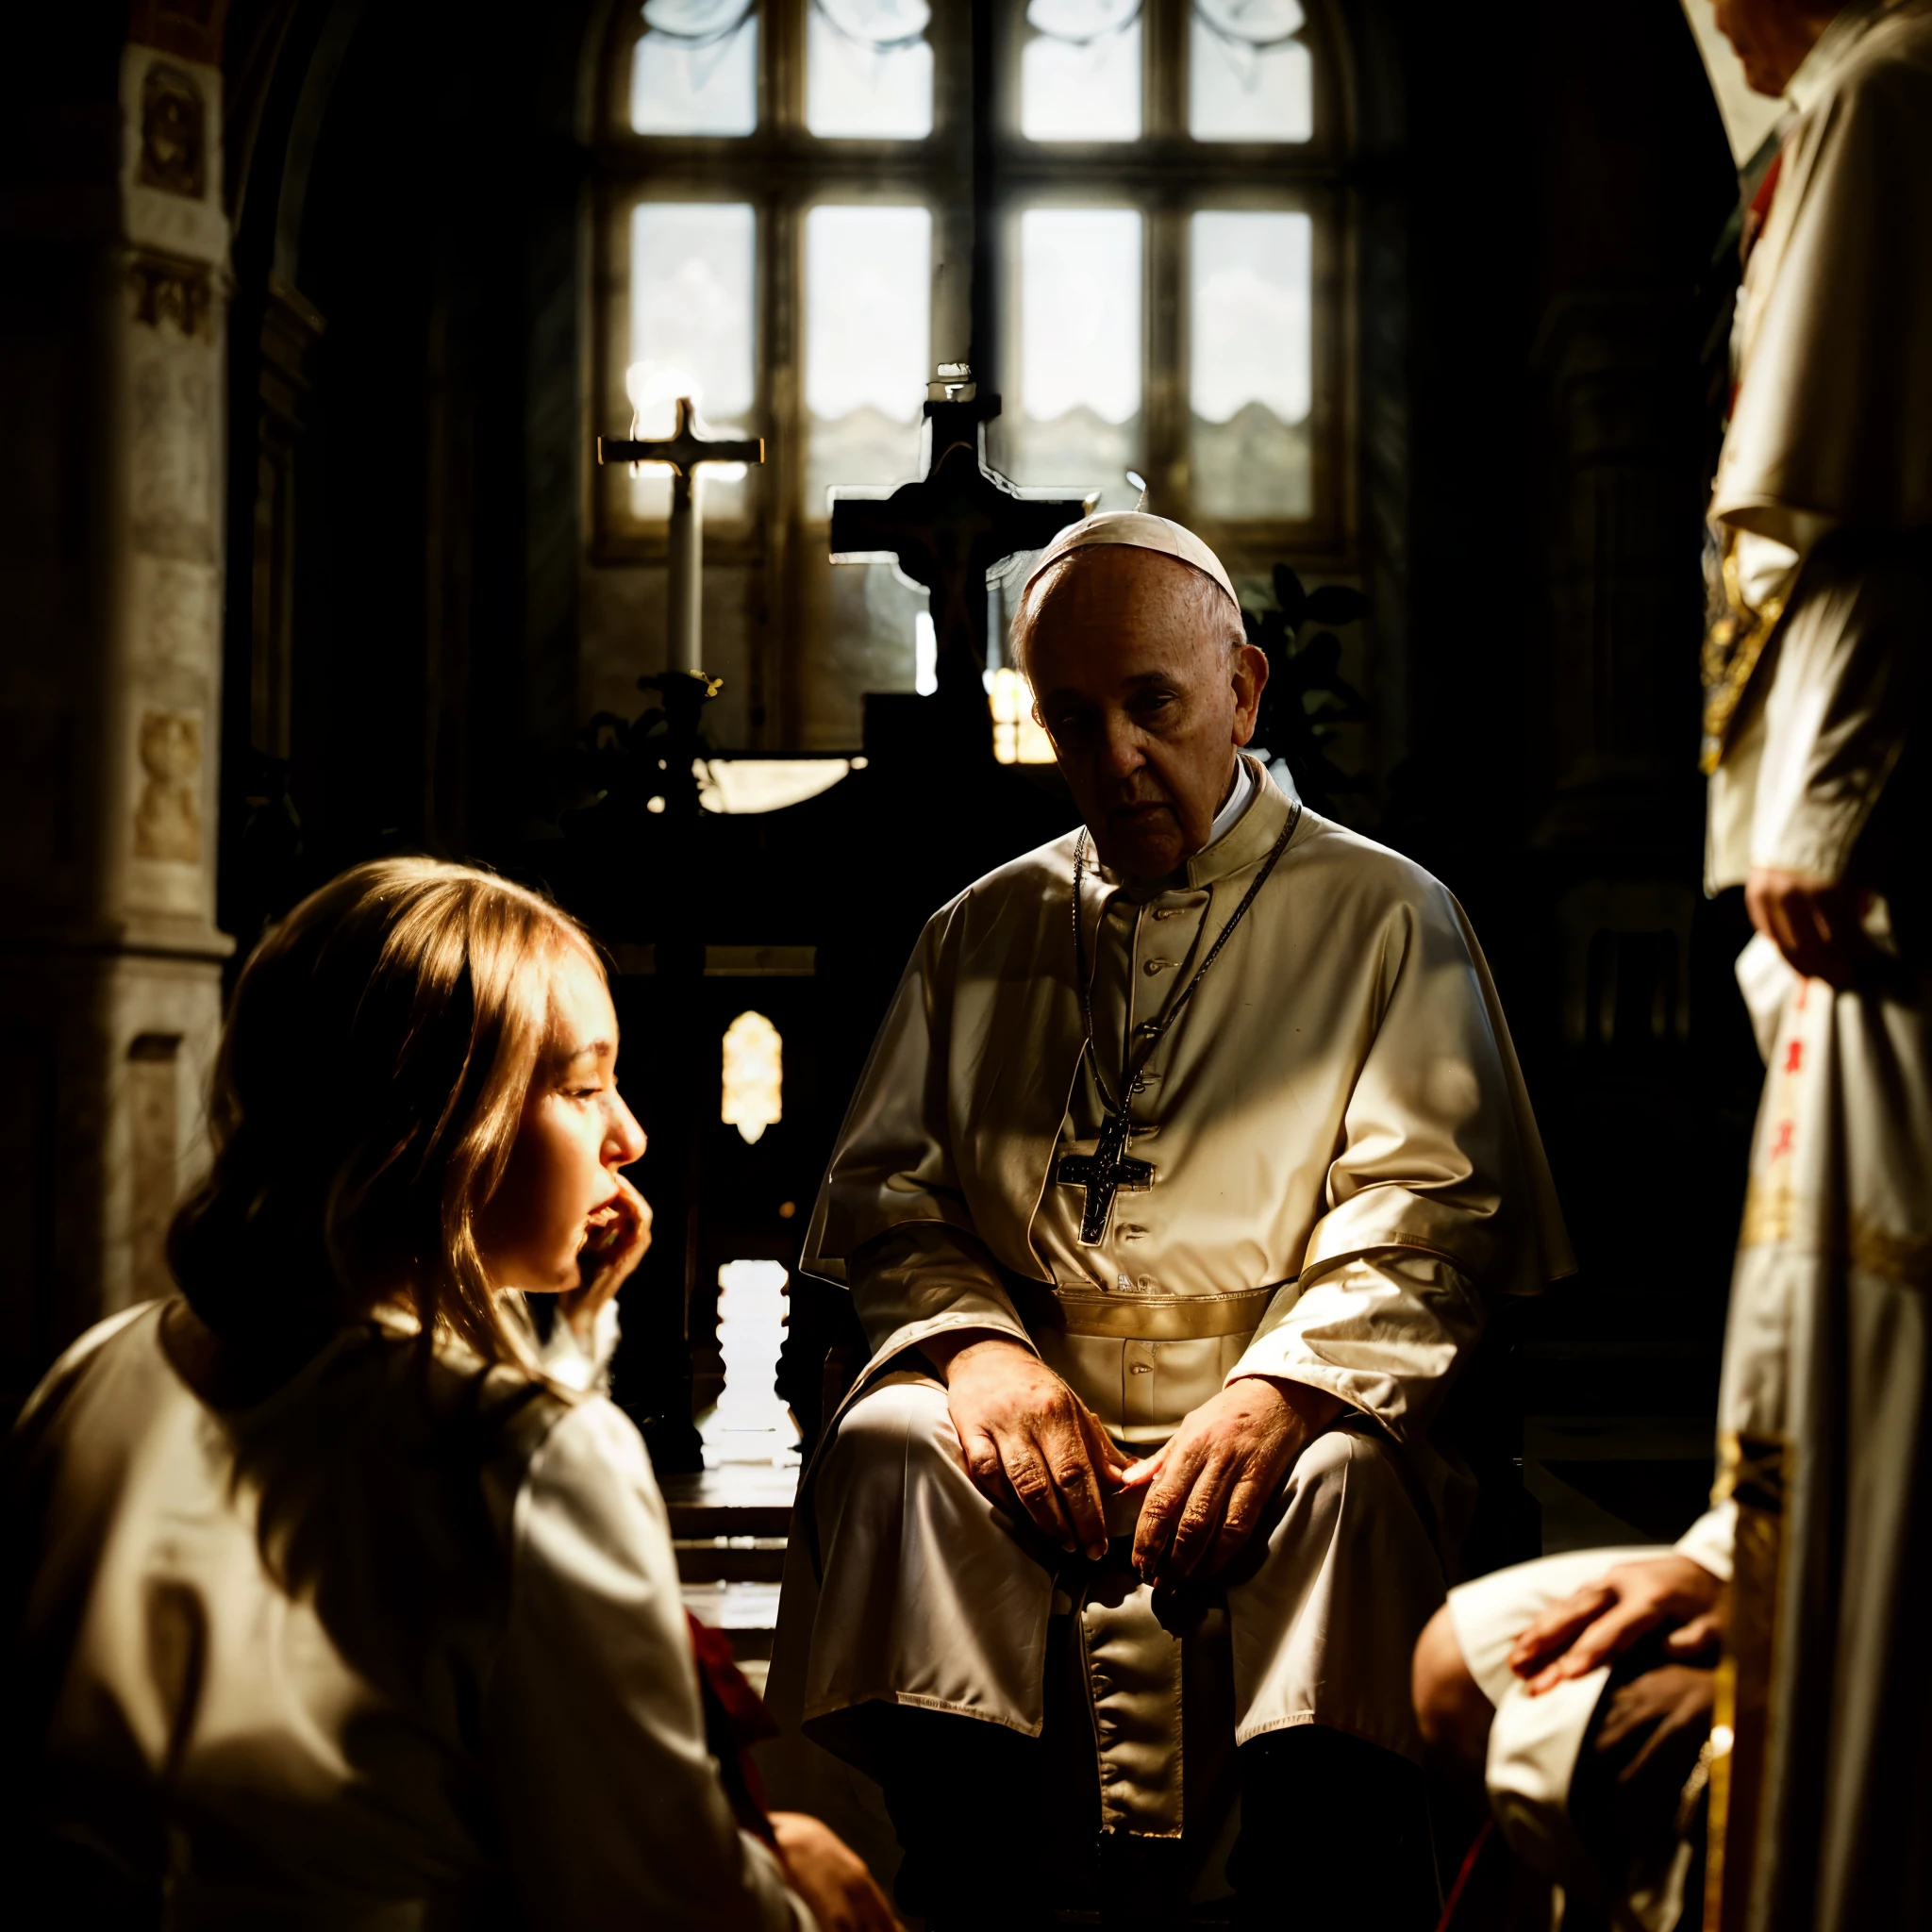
x=754, y=1076
x=1130, y=210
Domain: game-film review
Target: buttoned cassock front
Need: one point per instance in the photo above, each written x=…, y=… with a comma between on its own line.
x=1346, y=1169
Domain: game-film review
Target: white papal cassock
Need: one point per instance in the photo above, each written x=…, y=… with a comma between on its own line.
x=1345, y=1174
x=1828, y=1357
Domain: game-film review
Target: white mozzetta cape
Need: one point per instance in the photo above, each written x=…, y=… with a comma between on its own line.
x=1341, y=1089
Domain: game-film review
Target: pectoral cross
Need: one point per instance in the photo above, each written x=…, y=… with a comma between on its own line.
x=1102, y=1173
x=684, y=449
x=959, y=521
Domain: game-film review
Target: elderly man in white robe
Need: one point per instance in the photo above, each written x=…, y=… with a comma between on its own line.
x=1571, y=1689
x=1189, y=1157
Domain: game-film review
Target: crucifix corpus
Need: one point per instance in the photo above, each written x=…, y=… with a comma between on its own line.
x=684, y=449
x=947, y=531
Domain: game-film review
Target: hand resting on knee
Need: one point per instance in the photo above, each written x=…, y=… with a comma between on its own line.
x=1211, y=1482
x=1025, y=1434
x=1669, y=1594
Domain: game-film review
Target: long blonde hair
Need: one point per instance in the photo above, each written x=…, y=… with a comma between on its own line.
x=372, y=1077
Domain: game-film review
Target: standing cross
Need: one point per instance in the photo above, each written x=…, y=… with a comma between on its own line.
x=1102, y=1173
x=684, y=449
x=961, y=520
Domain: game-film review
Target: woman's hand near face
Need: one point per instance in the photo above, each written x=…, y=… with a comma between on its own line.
x=609, y=1258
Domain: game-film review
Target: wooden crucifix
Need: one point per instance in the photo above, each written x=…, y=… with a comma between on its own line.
x=961, y=520
x=684, y=449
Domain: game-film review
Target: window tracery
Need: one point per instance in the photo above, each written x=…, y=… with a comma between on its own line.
x=788, y=228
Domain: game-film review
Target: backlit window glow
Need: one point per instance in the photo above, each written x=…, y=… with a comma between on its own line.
x=1170, y=272
x=1081, y=78
x=691, y=278
x=1073, y=418
x=868, y=344
x=1251, y=366
x=868, y=70
x=751, y=1422
x=1247, y=79
x=754, y=1076
x=695, y=68
x=1017, y=737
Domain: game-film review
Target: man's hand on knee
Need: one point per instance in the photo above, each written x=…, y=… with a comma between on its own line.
x=1210, y=1482
x=1025, y=1434
x=1603, y=1619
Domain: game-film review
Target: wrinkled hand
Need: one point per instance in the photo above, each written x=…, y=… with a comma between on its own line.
x=1209, y=1483
x=1603, y=1619
x=1813, y=922
x=830, y=1876
x=606, y=1265
x=1025, y=1434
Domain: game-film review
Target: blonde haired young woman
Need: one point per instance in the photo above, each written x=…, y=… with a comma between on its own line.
x=327, y=1606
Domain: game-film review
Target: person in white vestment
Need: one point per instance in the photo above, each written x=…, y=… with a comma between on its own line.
x=325, y=1605
x=1571, y=1689
x=1188, y=1161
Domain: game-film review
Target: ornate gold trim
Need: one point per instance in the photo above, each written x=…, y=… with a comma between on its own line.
x=1754, y=1472
x=1732, y=646
x=1770, y=1216
x=1906, y=1258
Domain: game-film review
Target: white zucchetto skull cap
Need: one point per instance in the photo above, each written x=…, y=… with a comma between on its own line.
x=1136, y=530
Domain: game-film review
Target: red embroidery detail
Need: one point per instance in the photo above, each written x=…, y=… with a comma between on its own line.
x=1759, y=211
x=1781, y=1142
x=1794, y=1055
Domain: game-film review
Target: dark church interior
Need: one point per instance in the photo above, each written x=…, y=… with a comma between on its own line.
x=315, y=314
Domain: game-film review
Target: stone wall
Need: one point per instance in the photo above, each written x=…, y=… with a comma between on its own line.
x=114, y=296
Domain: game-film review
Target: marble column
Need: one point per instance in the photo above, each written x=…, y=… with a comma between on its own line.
x=111, y=366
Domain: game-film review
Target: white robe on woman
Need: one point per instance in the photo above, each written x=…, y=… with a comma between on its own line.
x=400, y=1646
